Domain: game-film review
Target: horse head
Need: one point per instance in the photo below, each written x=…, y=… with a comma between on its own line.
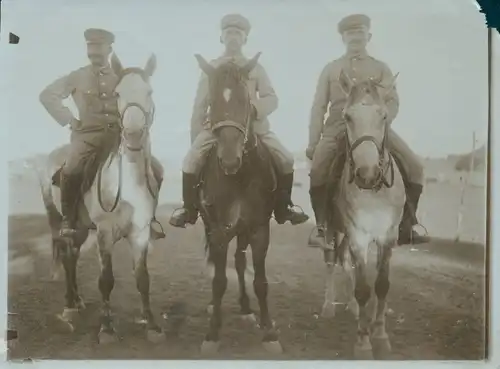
x=135, y=103
x=230, y=110
x=365, y=114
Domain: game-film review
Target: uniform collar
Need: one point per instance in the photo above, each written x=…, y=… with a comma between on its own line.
x=101, y=70
x=235, y=58
x=356, y=55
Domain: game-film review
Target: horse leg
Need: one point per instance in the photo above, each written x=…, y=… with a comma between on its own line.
x=240, y=262
x=328, y=310
x=105, y=242
x=80, y=239
x=259, y=242
x=359, y=243
x=218, y=254
x=69, y=255
x=379, y=336
x=140, y=244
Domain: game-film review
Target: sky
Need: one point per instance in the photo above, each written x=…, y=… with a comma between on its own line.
x=439, y=47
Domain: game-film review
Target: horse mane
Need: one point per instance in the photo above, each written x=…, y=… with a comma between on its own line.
x=358, y=91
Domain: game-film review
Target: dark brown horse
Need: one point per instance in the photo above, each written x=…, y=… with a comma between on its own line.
x=237, y=195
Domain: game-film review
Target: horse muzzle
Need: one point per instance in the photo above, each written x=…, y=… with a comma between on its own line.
x=230, y=167
x=367, y=177
x=134, y=139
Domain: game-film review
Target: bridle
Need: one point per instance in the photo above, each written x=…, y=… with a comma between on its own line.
x=243, y=128
x=383, y=165
x=149, y=116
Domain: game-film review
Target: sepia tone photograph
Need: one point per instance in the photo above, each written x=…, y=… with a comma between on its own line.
x=276, y=180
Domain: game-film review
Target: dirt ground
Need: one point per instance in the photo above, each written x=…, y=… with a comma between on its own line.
x=437, y=293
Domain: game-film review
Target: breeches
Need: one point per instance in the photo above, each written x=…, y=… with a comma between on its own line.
x=195, y=158
x=333, y=140
x=83, y=146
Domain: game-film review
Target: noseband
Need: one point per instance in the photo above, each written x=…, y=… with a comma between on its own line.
x=382, y=165
x=149, y=116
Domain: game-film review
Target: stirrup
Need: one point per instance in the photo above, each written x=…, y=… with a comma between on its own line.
x=158, y=234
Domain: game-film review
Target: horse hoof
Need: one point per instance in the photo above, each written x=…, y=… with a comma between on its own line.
x=363, y=352
x=328, y=310
x=141, y=321
x=57, y=274
x=210, y=347
x=67, y=318
x=155, y=336
x=381, y=348
x=249, y=318
x=273, y=347
x=106, y=338
x=210, y=309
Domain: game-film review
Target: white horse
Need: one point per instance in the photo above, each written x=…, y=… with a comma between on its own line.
x=367, y=207
x=120, y=202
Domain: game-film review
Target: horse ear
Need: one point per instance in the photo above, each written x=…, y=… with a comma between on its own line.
x=116, y=64
x=150, y=67
x=251, y=64
x=345, y=82
x=204, y=65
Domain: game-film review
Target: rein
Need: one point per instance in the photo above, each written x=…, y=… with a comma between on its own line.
x=382, y=180
x=149, y=121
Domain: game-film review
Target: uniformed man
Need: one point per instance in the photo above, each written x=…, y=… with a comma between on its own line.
x=92, y=89
x=235, y=29
x=324, y=136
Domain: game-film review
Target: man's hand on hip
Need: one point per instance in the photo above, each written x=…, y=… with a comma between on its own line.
x=75, y=124
x=310, y=152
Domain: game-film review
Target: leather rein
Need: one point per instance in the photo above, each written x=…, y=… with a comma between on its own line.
x=149, y=121
x=383, y=165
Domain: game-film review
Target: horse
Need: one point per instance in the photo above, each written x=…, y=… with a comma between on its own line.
x=117, y=200
x=237, y=192
x=365, y=207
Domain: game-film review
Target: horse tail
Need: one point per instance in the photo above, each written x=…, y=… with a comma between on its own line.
x=43, y=172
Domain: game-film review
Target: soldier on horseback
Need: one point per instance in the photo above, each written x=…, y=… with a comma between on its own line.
x=235, y=29
x=326, y=137
x=99, y=123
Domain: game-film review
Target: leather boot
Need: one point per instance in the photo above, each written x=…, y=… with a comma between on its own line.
x=318, y=202
x=283, y=210
x=189, y=213
x=406, y=233
x=69, y=196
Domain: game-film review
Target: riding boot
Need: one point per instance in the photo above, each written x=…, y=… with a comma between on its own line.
x=406, y=233
x=69, y=196
x=156, y=234
x=283, y=210
x=318, y=202
x=189, y=213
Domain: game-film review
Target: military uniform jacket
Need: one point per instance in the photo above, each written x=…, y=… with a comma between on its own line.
x=262, y=96
x=92, y=90
x=329, y=95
